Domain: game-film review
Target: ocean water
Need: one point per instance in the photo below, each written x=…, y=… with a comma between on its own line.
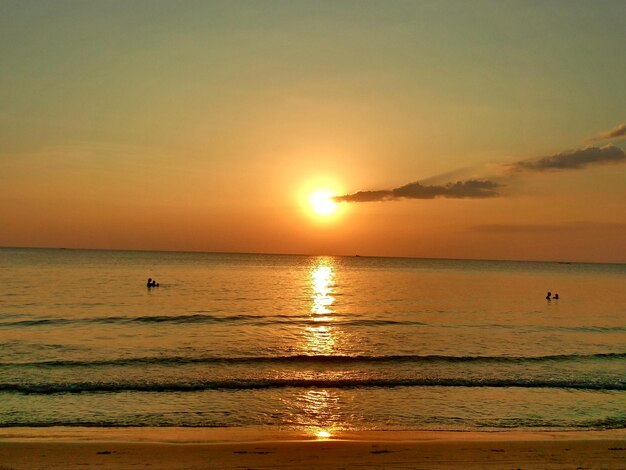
x=309, y=343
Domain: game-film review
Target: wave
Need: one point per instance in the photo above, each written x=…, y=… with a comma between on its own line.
x=496, y=425
x=587, y=329
x=204, y=318
x=184, y=420
x=105, y=424
x=337, y=319
x=609, y=422
x=314, y=359
x=258, y=384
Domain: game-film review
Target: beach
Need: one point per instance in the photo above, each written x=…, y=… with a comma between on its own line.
x=180, y=448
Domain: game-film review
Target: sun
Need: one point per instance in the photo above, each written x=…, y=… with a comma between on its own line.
x=322, y=203
x=316, y=197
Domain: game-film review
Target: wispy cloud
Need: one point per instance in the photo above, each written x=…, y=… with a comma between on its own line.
x=574, y=159
x=494, y=178
x=469, y=189
x=619, y=131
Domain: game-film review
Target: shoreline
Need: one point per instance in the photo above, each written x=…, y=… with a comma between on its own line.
x=230, y=448
x=215, y=435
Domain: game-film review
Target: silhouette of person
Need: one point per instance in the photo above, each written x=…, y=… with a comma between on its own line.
x=548, y=296
x=149, y=284
x=556, y=296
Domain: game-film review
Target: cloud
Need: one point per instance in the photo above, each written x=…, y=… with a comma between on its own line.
x=619, y=131
x=573, y=159
x=488, y=181
x=469, y=189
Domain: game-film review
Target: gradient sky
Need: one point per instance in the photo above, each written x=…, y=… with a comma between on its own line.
x=201, y=126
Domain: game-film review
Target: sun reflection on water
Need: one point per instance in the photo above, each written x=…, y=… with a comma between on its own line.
x=320, y=409
x=321, y=338
x=322, y=281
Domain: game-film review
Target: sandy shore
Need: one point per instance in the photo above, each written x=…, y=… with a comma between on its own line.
x=176, y=448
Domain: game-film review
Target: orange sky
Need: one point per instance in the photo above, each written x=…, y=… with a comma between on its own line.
x=203, y=126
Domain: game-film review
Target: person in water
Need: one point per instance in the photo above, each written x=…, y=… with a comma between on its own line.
x=556, y=296
x=152, y=283
x=548, y=296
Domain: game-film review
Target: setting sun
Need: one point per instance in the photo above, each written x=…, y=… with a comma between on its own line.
x=322, y=203
x=316, y=199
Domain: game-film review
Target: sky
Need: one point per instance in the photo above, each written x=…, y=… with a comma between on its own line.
x=444, y=129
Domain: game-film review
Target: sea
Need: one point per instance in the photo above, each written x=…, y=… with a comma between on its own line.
x=318, y=344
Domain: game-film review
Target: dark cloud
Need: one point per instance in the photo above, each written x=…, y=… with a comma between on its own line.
x=619, y=131
x=491, y=186
x=366, y=196
x=574, y=159
x=469, y=189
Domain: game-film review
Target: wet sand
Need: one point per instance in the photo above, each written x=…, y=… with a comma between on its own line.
x=191, y=448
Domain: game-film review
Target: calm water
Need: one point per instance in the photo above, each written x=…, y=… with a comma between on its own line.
x=312, y=343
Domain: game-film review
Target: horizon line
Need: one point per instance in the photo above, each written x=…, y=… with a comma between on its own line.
x=356, y=255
